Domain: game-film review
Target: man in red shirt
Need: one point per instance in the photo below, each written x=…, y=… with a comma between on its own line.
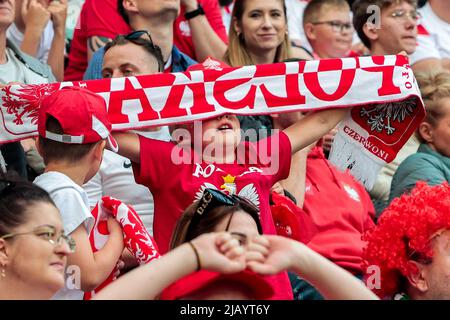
x=202, y=35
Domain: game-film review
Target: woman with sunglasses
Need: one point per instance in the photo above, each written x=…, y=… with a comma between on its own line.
x=33, y=247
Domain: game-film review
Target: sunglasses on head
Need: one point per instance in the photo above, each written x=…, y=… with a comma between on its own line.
x=214, y=198
x=137, y=35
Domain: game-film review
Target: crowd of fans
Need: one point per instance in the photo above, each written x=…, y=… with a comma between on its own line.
x=215, y=240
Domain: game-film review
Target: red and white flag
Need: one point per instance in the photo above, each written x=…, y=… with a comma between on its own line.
x=381, y=92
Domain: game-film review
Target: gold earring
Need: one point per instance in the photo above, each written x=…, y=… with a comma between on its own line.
x=3, y=273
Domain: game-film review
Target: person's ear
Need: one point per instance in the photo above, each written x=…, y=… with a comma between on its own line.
x=98, y=150
x=417, y=277
x=237, y=27
x=39, y=146
x=426, y=132
x=371, y=31
x=130, y=6
x=310, y=31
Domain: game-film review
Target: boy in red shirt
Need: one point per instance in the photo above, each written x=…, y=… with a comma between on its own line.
x=177, y=174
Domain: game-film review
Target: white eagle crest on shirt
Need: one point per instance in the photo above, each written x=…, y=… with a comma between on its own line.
x=248, y=192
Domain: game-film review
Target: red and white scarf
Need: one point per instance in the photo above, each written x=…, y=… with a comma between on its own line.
x=135, y=236
x=382, y=89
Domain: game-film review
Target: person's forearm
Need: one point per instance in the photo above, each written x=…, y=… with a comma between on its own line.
x=206, y=41
x=31, y=40
x=147, y=281
x=56, y=55
x=330, y=280
x=295, y=183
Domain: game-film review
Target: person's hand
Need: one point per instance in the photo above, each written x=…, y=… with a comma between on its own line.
x=58, y=12
x=35, y=15
x=119, y=267
x=269, y=255
x=360, y=49
x=189, y=5
x=115, y=230
x=28, y=144
x=220, y=252
x=327, y=140
x=277, y=188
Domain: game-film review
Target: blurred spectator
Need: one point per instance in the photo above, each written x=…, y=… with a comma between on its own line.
x=39, y=30
x=16, y=66
x=259, y=34
x=328, y=28
x=431, y=163
x=406, y=256
x=433, y=49
x=394, y=31
x=158, y=21
x=100, y=21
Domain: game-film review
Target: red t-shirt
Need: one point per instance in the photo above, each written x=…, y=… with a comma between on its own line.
x=176, y=186
x=102, y=18
x=340, y=209
x=182, y=31
x=97, y=18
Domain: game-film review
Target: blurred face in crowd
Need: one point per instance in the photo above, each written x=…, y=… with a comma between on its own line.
x=436, y=275
x=148, y=8
x=221, y=134
x=438, y=136
x=30, y=260
x=331, y=35
x=397, y=32
x=263, y=25
x=6, y=13
x=128, y=60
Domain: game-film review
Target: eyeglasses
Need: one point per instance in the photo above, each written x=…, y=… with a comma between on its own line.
x=47, y=233
x=136, y=35
x=337, y=26
x=214, y=198
x=403, y=15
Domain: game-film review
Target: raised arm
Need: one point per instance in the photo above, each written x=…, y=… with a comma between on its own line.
x=273, y=254
x=58, y=11
x=129, y=145
x=216, y=251
x=312, y=127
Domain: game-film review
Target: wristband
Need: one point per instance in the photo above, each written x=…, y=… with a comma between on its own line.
x=192, y=14
x=197, y=256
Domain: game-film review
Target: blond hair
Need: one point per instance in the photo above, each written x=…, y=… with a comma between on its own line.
x=237, y=53
x=434, y=86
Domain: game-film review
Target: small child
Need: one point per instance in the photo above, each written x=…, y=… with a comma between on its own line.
x=328, y=28
x=73, y=130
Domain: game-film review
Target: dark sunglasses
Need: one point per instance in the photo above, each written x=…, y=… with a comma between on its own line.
x=214, y=198
x=136, y=35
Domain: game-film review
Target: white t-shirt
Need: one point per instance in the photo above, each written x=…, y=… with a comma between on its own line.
x=45, y=44
x=15, y=70
x=115, y=178
x=73, y=205
x=433, y=37
x=226, y=16
x=295, y=10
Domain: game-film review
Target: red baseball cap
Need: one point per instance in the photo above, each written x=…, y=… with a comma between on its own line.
x=209, y=64
x=258, y=285
x=82, y=115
